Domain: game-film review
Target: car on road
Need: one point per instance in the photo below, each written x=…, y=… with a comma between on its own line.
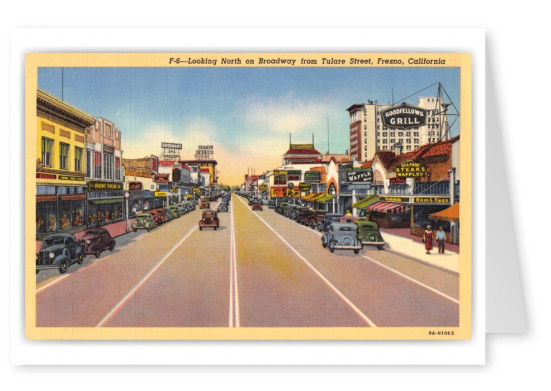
x=369, y=234
x=204, y=203
x=257, y=206
x=328, y=219
x=175, y=210
x=301, y=214
x=159, y=217
x=169, y=215
x=272, y=204
x=182, y=209
x=59, y=251
x=223, y=207
x=144, y=221
x=281, y=208
x=209, y=219
x=96, y=240
x=341, y=236
x=314, y=218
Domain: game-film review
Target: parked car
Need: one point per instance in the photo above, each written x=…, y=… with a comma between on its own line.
x=190, y=205
x=59, y=251
x=144, y=221
x=209, y=219
x=96, y=240
x=328, y=219
x=257, y=206
x=252, y=200
x=223, y=207
x=341, y=236
x=158, y=216
x=182, y=209
x=313, y=219
x=169, y=215
x=369, y=234
x=204, y=203
x=301, y=214
x=175, y=210
x=281, y=208
x=272, y=204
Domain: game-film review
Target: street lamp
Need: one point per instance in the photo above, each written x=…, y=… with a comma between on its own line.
x=126, y=196
x=333, y=194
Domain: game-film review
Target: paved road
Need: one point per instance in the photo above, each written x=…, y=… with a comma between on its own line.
x=259, y=269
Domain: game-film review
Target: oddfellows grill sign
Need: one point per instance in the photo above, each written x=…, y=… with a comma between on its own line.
x=404, y=117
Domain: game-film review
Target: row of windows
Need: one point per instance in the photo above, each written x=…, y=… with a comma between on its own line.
x=406, y=141
x=400, y=134
x=64, y=155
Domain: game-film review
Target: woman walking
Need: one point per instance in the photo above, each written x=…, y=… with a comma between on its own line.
x=428, y=236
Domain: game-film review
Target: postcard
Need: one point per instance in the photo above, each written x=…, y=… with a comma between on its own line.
x=248, y=196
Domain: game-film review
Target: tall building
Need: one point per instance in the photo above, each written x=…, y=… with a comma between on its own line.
x=368, y=134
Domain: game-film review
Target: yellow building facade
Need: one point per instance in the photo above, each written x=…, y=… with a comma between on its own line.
x=60, y=165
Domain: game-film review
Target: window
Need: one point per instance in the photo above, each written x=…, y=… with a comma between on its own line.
x=392, y=134
x=416, y=141
x=408, y=134
x=392, y=140
x=97, y=165
x=385, y=134
x=408, y=147
x=408, y=141
x=88, y=163
x=400, y=134
x=385, y=141
x=47, y=145
x=416, y=134
x=78, y=159
x=117, y=169
x=108, y=130
x=108, y=166
x=63, y=156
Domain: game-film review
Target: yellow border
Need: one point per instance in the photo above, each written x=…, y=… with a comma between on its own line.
x=461, y=60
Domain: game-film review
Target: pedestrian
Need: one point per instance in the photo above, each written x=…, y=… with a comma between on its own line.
x=427, y=238
x=348, y=213
x=441, y=237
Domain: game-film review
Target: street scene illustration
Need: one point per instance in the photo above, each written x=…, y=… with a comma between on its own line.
x=252, y=197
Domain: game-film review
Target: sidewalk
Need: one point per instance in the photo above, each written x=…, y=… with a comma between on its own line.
x=115, y=229
x=401, y=242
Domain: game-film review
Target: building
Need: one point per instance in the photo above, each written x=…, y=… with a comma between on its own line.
x=302, y=154
x=104, y=173
x=204, y=164
x=60, y=165
x=368, y=134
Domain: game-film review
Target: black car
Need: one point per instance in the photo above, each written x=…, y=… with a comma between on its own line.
x=223, y=207
x=328, y=219
x=59, y=251
x=96, y=240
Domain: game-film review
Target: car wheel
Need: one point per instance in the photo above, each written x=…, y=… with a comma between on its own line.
x=323, y=244
x=112, y=247
x=356, y=251
x=63, y=266
x=134, y=229
x=37, y=271
x=148, y=229
x=97, y=253
x=380, y=247
x=80, y=259
x=200, y=228
x=332, y=247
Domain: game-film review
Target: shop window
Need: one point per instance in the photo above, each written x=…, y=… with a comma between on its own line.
x=47, y=145
x=78, y=159
x=45, y=190
x=46, y=217
x=63, y=156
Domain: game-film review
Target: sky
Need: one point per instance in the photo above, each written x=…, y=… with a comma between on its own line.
x=246, y=114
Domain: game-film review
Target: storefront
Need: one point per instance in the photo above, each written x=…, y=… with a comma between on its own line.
x=59, y=208
x=390, y=214
x=105, y=203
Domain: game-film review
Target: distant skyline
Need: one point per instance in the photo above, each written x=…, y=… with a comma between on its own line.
x=246, y=113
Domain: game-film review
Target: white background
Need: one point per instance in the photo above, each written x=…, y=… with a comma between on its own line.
x=516, y=54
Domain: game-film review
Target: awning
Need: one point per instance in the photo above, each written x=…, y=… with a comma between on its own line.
x=310, y=196
x=370, y=199
x=387, y=207
x=449, y=214
x=107, y=201
x=325, y=198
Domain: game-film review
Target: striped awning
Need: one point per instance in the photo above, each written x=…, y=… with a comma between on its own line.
x=387, y=207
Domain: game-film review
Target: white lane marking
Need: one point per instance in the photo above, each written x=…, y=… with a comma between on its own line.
x=321, y=276
x=234, y=293
x=400, y=273
x=139, y=284
x=412, y=280
x=51, y=283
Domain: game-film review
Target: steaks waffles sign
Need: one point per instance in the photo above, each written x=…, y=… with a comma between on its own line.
x=404, y=116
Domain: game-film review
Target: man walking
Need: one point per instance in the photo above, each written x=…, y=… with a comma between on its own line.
x=441, y=237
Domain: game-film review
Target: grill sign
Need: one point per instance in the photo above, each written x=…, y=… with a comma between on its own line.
x=404, y=116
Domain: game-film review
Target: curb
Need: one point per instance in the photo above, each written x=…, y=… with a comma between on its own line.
x=422, y=261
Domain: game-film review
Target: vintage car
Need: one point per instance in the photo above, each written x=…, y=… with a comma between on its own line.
x=257, y=206
x=204, y=203
x=159, y=217
x=223, y=207
x=175, y=210
x=209, y=219
x=96, y=240
x=368, y=233
x=341, y=236
x=314, y=218
x=190, y=205
x=169, y=215
x=328, y=219
x=182, y=208
x=301, y=214
x=272, y=204
x=252, y=200
x=281, y=208
x=144, y=221
x=348, y=219
x=291, y=211
x=59, y=251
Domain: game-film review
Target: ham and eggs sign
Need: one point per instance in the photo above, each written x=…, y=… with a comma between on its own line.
x=404, y=116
